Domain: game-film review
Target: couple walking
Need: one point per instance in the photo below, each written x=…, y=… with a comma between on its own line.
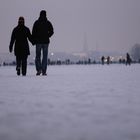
x=41, y=32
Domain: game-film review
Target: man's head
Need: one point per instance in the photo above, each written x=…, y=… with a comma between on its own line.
x=21, y=21
x=42, y=13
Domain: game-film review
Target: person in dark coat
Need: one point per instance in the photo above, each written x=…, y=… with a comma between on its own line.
x=41, y=32
x=103, y=60
x=128, y=59
x=108, y=60
x=20, y=36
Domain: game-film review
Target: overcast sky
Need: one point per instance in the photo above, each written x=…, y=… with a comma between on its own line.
x=107, y=25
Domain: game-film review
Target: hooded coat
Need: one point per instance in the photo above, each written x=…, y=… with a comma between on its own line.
x=20, y=36
x=42, y=30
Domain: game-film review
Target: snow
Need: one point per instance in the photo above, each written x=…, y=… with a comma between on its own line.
x=84, y=102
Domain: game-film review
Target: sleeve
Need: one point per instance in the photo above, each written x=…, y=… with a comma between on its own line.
x=30, y=38
x=50, y=29
x=13, y=38
x=34, y=32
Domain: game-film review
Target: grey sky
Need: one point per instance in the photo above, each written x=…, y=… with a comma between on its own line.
x=109, y=25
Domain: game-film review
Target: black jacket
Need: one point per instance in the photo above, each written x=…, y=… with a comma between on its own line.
x=42, y=31
x=20, y=36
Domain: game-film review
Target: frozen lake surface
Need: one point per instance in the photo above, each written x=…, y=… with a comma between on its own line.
x=92, y=102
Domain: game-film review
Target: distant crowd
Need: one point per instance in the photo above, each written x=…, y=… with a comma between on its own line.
x=104, y=60
x=126, y=61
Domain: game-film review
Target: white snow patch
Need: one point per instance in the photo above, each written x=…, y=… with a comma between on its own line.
x=91, y=102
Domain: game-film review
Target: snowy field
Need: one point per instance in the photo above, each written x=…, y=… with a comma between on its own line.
x=92, y=102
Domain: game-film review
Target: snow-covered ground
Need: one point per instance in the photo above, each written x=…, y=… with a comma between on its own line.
x=91, y=102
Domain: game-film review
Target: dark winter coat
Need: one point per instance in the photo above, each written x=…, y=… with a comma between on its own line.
x=20, y=36
x=42, y=31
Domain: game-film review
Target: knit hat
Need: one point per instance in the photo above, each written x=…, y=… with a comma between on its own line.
x=21, y=21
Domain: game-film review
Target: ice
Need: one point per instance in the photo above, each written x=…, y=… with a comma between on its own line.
x=75, y=102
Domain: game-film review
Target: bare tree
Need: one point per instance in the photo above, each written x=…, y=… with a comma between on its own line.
x=135, y=52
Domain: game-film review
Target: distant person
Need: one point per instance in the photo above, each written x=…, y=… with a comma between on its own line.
x=20, y=36
x=128, y=59
x=108, y=60
x=103, y=60
x=42, y=31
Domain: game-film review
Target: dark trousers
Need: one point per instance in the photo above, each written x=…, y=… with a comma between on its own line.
x=21, y=62
x=41, y=62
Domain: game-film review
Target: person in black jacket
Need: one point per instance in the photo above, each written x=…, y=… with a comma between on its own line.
x=41, y=32
x=20, y=36
x=128, y=59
